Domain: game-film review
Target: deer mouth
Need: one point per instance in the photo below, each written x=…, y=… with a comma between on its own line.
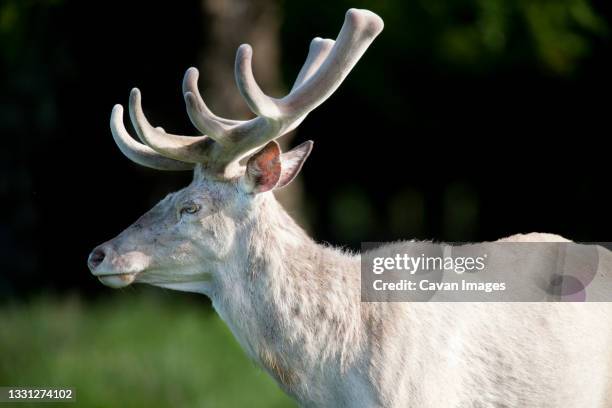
x=117, y=280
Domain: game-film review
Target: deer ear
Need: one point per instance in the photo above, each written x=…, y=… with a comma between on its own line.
x=292, y=162
x=263, y=169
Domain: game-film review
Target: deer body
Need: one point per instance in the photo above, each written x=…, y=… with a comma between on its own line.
x=294, y=305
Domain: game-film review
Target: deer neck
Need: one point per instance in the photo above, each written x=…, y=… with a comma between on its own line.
x=291, y=303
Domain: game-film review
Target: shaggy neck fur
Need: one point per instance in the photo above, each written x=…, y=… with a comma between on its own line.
x=286, y=298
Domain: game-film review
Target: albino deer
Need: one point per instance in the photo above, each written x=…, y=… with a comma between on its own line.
x=294, y=305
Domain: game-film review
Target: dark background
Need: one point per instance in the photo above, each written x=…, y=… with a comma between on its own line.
x=465, y=120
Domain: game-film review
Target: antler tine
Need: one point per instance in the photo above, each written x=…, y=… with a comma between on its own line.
x=318, y=51
x=137, y=152
x=199, y=114
x=261, y=104
x=184, y=148
x=358, y=31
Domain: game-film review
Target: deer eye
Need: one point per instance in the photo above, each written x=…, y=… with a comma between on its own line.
x=190, y=208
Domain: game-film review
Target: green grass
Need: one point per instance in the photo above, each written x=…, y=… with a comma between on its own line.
x=132, y=349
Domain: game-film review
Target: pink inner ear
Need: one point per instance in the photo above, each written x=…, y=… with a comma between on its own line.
x=264, y=168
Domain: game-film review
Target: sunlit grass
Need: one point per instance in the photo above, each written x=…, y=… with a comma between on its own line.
x=132, y=349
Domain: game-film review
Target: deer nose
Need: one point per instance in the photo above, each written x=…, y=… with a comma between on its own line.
x=96, y=258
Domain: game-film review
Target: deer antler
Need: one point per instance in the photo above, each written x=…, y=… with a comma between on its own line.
x=226, y=141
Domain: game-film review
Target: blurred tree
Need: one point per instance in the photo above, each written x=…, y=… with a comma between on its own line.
x=229, y=23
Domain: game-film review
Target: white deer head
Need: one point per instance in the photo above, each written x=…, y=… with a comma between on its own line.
x=183, y=239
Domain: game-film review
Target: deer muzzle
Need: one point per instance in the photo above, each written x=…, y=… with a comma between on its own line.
x=114, y=269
